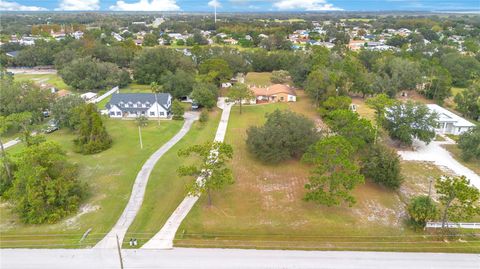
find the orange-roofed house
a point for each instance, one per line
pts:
(274, 93)
(356, 44)
(62, 93)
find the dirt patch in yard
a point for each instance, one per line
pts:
(372, 211)
(85, 209)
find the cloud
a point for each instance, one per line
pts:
(214, 3)
(146, 5)
(72, 5)
(308, 5)
(14, 6)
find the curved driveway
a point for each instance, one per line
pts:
(164, 238)
(138, 190)
(434, 152)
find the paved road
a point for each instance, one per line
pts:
(138, 190)
(15, 141)
(164, 238)
(11, 143)
(434, 152)
(229, 258)
(32, 71)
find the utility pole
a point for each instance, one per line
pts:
(140, 135)
(430, 187)
(119, 253)
(157, 104)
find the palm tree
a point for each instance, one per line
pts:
(155, 87)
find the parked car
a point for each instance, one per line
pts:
(51, 126)
(195, 105)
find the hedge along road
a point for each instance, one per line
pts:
(138, 190)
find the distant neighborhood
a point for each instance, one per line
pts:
(342, 131)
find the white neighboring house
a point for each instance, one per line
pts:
(450, 123)
(117, 37)
(226, 85)
(132, 105)
(88, 96)
(77, 34)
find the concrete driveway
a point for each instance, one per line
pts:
(434, 152)
(138, 191)
(164, 238)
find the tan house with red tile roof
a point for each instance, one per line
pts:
(274, 93)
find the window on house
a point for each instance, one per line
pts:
(134, 105)
(161, 113)
(119, 113)
(152, 113)
(143, 112)
(126, 105)
(112, 113)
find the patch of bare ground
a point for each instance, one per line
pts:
(72, 222)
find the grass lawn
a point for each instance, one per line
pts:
(363, 109)
(110, 176)
(265, 206)
(258, 78)
(165, 189)
(449, 102)
(473, 164)
(456, 90)
(53, 79)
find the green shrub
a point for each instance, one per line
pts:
(285, 135)
(45, 187)
(422, 209)
(382, 166)
(469, 143)
(92, 134)
(203, 116)
(177, 110)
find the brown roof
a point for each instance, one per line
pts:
(62, 93)
(273, 89)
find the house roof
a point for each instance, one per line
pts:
(88, 95)
(62, 93)
(13, 53)
(445, 115)
(273, 89)
(125, 98)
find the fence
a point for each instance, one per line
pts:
(462, 225)
(105, 95)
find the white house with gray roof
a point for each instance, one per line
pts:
(448, 122)
(132, 105)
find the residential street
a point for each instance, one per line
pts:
(32, 71)
(229, 258)
(138, 190)
(11, 143)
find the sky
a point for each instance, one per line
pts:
(238, 5)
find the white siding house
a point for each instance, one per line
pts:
(448, 122)
(132, 105)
